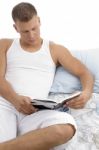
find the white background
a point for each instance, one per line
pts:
(72, 23)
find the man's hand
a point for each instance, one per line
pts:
(23, 105)
(80, 101)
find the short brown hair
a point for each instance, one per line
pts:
(23, 12)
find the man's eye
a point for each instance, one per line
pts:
(26, 31)
(33, 29)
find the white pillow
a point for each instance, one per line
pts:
(65, 82)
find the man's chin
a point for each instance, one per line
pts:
(31, 42)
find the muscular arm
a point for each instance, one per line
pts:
(21, 103)
(6, 90)
(63, 57)
(77, 68)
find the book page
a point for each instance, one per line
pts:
(50, 103)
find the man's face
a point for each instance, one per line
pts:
(29, 31)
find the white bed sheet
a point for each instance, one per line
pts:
(87, 119)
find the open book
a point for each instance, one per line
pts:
(52, 103)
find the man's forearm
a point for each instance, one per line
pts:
(87, 82)
(6, 90)
(42, 139)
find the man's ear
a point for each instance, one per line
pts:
(15, 27)
(39, 20)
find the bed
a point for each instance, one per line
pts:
(87, 119)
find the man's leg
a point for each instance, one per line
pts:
(46, 118)
(41, 139)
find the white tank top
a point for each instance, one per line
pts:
(30, 73)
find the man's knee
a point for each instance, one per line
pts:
(64, 132)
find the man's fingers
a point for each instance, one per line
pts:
(29, 109)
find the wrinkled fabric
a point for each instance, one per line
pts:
(87, 119)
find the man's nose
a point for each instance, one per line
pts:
(31, 34)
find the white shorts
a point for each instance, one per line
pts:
(46, 118)
(43, 119)
(13, 122)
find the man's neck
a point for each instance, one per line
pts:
(33, 46)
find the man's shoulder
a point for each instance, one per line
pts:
(55, 51)
(5, 43)
(58, 52)
(57, 48)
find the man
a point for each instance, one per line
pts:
(27, 68)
